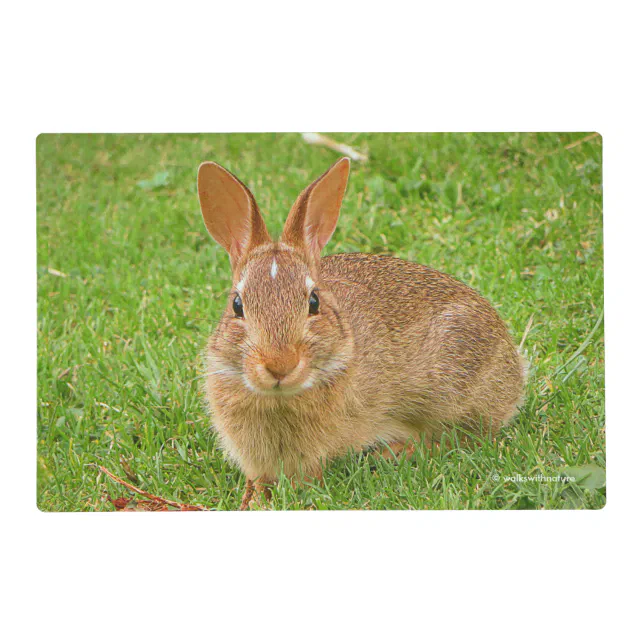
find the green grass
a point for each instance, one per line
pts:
(121, 331)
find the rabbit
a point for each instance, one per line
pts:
(317, 356)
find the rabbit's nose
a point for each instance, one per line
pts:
(281, 366)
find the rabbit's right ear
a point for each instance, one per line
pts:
(229, 211)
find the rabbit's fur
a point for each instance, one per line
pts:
(396, 351)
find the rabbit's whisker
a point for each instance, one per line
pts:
(223, 372)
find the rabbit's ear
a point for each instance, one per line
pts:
(229, 211)
(314, 216)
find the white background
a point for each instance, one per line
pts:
(308, 576)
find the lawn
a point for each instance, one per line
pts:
(130, 285)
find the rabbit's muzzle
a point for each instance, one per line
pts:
(285, 373)
(281, 366)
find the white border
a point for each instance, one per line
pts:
(309, 576)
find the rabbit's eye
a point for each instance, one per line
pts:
(314, 304)
(238, 307)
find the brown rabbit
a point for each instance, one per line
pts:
(315, 356)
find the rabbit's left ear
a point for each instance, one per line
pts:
(314, 215)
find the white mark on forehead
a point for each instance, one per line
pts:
(274, 269)
(309, 283)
